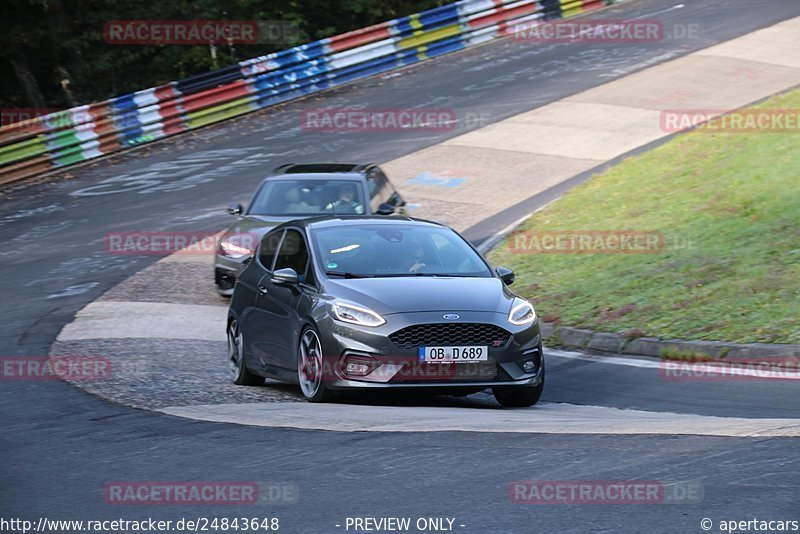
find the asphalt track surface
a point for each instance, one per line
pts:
(60, 445)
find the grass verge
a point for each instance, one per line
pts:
(725, 210)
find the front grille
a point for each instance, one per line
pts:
(447, 334)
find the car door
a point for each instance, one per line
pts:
(381, 191)
(248, 298)
(278, 303)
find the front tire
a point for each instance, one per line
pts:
(519, 396)
(310, 370)
(237, 359)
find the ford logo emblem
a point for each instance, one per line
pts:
(450, 316)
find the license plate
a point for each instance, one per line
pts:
(453, 354)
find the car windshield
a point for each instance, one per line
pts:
(395, 250)
(308, 197)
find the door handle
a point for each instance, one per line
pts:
(263, 290)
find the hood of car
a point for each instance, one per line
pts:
(255, 224)
(422, 294)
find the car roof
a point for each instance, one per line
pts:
(355, 172)
(327, 221)
(322, 168)
(350, 177)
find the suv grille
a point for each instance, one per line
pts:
(421, 335)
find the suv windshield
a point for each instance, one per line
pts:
(388, 250)
(308, 197)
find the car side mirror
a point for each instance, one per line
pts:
(385, 209)
(506, 275)
(285, 277)
(235, 209)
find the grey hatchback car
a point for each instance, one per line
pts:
(356, 303)
(294, 191)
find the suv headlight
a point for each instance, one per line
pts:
(235, 246)
(521, 313)
(350, 313)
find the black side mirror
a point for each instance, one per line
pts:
(285, 277)
(385, 209)
(506, 275)
(235, 209)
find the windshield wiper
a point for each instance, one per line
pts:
(399, 275)
(347, 275)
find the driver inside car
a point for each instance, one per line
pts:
(346, 205)
(415, 258)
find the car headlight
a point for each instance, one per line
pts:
(350, 313)
(521, 313)
(235, 246)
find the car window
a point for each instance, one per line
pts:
(293, 254)
(396, 250)
(447, 250)
(307, 197)
(268, 248)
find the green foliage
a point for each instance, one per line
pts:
(54, 40)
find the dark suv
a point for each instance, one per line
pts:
(296, 191)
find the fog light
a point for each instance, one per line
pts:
(359, 369)
(356, 365)
(529, 366)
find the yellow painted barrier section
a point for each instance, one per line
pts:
(570, 8)
(224, 111)
(426, 37)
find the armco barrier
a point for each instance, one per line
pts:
(94, 130)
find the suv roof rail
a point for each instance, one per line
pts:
(303, 168)
(282, 169)
(365, 167)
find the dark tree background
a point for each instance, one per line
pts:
(52, 52)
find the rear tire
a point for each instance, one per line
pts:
(237, 359)
(519, 396)
(310, 370)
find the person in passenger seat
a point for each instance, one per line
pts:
(295, 204)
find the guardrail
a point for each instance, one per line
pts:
(86, 132)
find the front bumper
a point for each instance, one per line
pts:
(226, 271)
(344, 384)
(395, 367)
